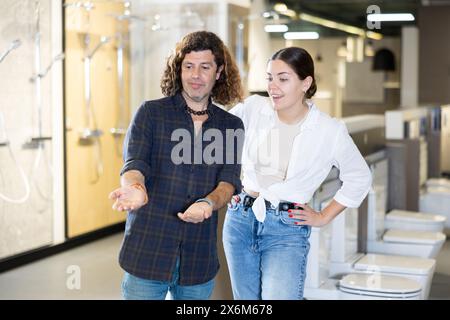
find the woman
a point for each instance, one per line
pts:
(290, 147)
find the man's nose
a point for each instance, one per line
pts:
(195, 72)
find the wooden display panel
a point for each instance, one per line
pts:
(88, 206)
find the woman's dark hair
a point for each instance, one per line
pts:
(301, 62)
(227, 89)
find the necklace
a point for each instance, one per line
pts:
(197, 113)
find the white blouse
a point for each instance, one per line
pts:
(323, 142)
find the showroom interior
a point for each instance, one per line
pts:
(73, 73)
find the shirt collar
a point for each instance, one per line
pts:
(312, 118)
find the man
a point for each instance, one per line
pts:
(171, 227)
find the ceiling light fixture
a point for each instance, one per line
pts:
(283, 9)
(276, 28)
(307, 35)
(374, 35)
(340, 26)
(368, 49)
(342, 50)
(390, 17)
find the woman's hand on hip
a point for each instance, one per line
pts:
(308, 217)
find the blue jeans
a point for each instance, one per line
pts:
(134, 288)
(265, 260)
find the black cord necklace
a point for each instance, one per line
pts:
(197, 113)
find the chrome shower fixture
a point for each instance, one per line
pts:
(118, 132)
(193, 18)
(4, 142)
(13, 45)
(26, 183)
(35, 142)
(57, 58)
(103, 40)
(90, 134)
(127, 17)
(87, 135)
(86, 5)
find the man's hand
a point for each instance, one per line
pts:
(128, 198)
(196, 213)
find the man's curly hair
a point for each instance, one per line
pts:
(227, 89)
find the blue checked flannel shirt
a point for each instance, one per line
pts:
(154, 235)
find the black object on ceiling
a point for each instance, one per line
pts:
(383, 60)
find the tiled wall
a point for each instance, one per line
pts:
(28, 225)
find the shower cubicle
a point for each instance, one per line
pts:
(71, 75)
(97, 109)
(31, 151)
(63, 114)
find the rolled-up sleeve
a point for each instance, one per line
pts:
(138, 143)
(353, 170)
(231, 171)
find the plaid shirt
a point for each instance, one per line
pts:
(154, 235)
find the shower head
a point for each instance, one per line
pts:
(58, 57)
(86, 5)
(13, 45)
(103, 40)
(127, 17)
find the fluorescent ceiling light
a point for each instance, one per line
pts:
(276, 28)
(283, 9)
(390, 17)
(280, 7)
(301, 35)
(374, 35)
(340, 26)
(331, 24)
